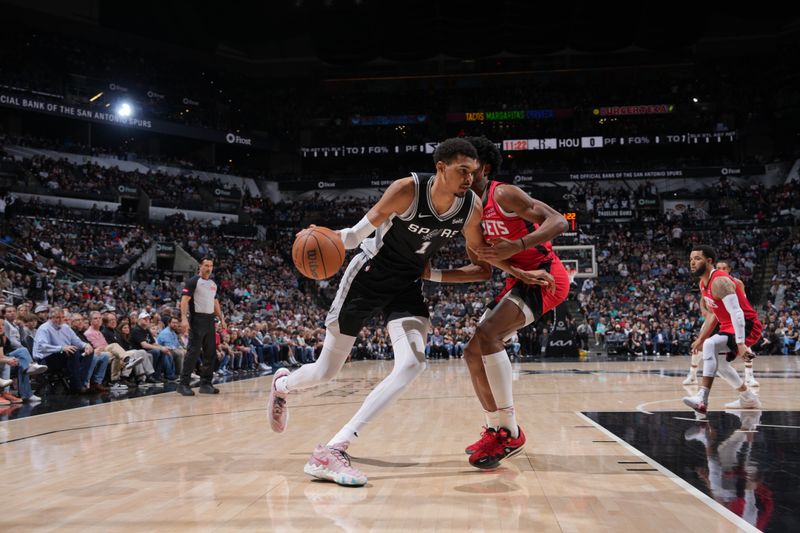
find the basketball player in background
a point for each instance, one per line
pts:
(415, 217)
(519, 229)
(691, 379)
(739, 328)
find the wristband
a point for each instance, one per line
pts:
(352, 237)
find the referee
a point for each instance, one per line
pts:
(199, 304)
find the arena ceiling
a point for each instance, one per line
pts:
(360, 32)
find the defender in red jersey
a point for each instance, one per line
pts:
(711, 326)
(503, 229)
(518, 231)
(733, 312)
(749, 378)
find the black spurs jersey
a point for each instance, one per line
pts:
(404, 243)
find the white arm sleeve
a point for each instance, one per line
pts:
(731, 302)
(352, 237)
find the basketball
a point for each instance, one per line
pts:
(318, 252)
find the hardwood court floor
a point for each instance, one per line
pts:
(210, 463)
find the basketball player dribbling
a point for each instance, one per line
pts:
(739, 328)
(415, 217)
(709, 325)
(519, 229)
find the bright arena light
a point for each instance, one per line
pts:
(124, 109)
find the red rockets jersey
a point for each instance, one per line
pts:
(498, 224)
(716, 306)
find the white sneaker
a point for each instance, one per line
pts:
(277, 410)
(691, 379)
(5, 383)
(263, 367)
(751, 382)
(696, 403)
(133, 361)
(36, 368)
(118, 387)
(745, 403)
(32, 399)
(195, 376)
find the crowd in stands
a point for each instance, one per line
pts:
(187, 161)
(34, 207)
(782, 322)
(89, 180)
(79, 244)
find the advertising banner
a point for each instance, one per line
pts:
(106, 116)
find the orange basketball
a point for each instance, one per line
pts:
(318, 252)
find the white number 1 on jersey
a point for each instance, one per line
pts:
(424, 247)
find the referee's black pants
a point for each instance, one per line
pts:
(201, 340)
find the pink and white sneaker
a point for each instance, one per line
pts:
(696, 403)
(332, 463)
(277, 410)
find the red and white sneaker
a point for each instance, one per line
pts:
(696, 403)
(488, 434)
(332, 463)
(504, 445)
(277, 410)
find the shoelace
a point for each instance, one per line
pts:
(340, 454)
(486, 435)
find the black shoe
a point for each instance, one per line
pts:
(184, 390)
(208, 388)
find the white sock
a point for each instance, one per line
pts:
(346, 434)
(693, 371)
(492, 419)
(281, 385)
(500, 376)
(702, 393)
(508, 420)
(748, 372)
